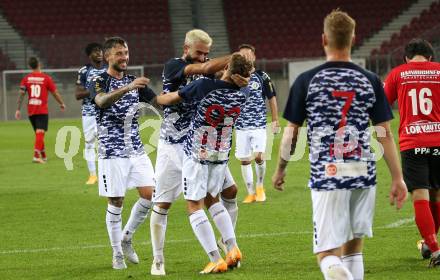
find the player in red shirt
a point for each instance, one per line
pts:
(416, 86)
(36, 85)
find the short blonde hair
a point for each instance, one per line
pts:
(197, 35)
(339, 29)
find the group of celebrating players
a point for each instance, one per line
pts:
(205, 99)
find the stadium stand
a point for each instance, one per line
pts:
(276, 33)
(59, 30)
(5, 62)
(426, 25)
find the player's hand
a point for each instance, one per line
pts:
(278, 179)
(398, 193)
(240, 80)
(276, 129)
(17, 115)
(63, 107)
(140, 82)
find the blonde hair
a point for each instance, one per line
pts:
(339, 29)
(197, 35)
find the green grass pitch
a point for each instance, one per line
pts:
(53, 225)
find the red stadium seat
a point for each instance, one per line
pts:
(59, 30)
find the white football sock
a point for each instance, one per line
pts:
(232, 208)
(205, 234)
(138, 215)
(89, 155)
(260, 172)
(113, 220)
(158, 228)
(333, 264)
(248, 177)
(354, 263)
(223, 223)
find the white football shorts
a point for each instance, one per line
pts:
(248, 142)
(200, 179)
(118, 175)
(89, 129)
(340, 216)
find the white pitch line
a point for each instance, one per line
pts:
(397, 224)
(400, 223)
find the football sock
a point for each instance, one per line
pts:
(354, 263)
(138, 215)
(205, 234)
(223, 222)
(232, 208)
(331, 262)
(435, 210)
(248, 177)
(158, 227)
(260, 172)
(89, 155)
(36, 154)
(113, 220)
(425, 224)
(39, 141)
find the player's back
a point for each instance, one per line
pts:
(416, 86)
(37, 85)
(219, 105)
(338, 99)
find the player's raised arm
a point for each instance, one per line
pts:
(398, 191)
(169, 98)
(105, 100)
(287, 149)
(207, 68)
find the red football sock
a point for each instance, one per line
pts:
(435, 210)
(39, 141)
(425, 223)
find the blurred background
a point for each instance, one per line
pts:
(286, 34)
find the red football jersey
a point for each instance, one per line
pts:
(416, 86)
(36, 85)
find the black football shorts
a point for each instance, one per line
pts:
(421, 168)
(39, 121)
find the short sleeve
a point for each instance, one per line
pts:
(50, 84)
(146, 94)
(96, 86)
(268, 88)
(174, 70)
(82, 77)
(193, 91)
(295, 111)
(23, 84)
(381, 110)
(390, 87)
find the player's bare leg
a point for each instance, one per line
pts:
(205, 234)
(139, 213)
(331, 265)
(114, 228)
(260, 172)
(353, 259)
(158, 227)
(425, 221)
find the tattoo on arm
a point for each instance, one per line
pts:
(20, 99)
